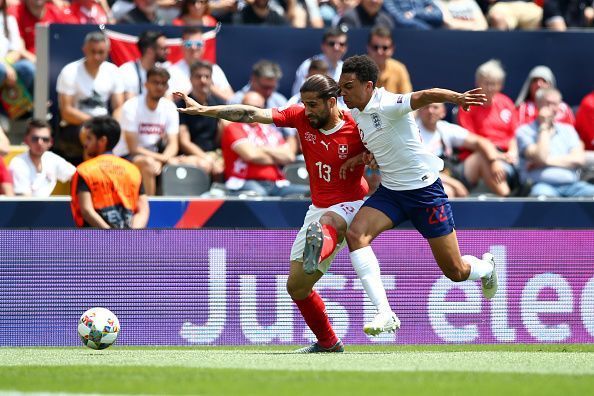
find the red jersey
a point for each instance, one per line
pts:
(27, 21)
(325, 152)
(96, 15)
(585, 121)
(5, 176)
(257, 134)
(527, 112)
(497, 122)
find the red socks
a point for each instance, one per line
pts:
(330, 240)
(313, 311)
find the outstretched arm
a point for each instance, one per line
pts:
(474, 97)
(235, 113)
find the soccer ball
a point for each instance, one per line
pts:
(98, 328)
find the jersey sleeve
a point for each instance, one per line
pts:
(396, 105)
(287, 116)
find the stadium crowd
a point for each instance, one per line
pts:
(531, 146)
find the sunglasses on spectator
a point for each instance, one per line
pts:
(334, 43)
(44, 139)
(193, 44)
(383, 47)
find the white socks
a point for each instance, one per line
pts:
(478, 267)
(368, 270)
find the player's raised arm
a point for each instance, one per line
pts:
(235, 113)
(474, 97)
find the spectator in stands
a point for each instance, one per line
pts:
(14, 66)
(539, 77)
(561, 14)
(368, 13)
(152, 45)
(90, 12)
(316, 66)
(259, 12)
(415, 14)
(514, 14)
(194, 12)
(264, 80)
(106, 189)
(200, 137)
(5, 177)
(29, 13)
(497, 120)
(150, 125)
(253, 155)
(144, 11)
(193, 50)
(334, 47)
(86, 88)
(393, 74)
(551, 153)
(223, 10)
(36, 171)
(462, 15)
(443, 139)
(585, 121)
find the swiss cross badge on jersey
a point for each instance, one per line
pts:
(343, 151)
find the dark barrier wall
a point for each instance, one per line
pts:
(214, 287)
(179, 213)
(434, 58)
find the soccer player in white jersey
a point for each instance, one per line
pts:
(410, 188)
(333, 154)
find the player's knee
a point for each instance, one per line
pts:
(356, 238)
(297, 291)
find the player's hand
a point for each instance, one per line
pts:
(474, 97)
(349, 165)
(369, 160)
(192, 107)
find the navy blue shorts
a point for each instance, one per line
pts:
(427, 208)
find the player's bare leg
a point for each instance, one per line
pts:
(460, 268)
(368, 224)
(321, 240)
(300, 288)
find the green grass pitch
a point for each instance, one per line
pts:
(507, 370)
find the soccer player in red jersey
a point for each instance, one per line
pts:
(332, 148)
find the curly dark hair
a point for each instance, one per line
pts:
(321, 84)
(363, 67)
(105, 126)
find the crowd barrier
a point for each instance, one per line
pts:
(227, 287)
(434, 58)
(494, 213)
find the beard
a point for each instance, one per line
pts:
(318, 122)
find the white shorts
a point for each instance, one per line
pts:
(346, 210)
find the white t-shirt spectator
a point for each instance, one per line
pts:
(91, 95)
(13, 43)
(28, 181)
(180, 77)
(445, 139)
(150, 125)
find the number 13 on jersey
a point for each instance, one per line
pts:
(324, 171)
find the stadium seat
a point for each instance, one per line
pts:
(296, 173)
(183, 180)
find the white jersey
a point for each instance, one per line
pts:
(444, 139)
(388, 130)
(28, 181)
(150, 125)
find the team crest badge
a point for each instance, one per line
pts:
(377, 123)
(343, 151)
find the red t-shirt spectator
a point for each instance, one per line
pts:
(584, 122)
(27, 21)
(5, 176)
(324, 153)
(259, 135)
(96, 15)
(527, 112)
(207, 20)
(497, 122)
